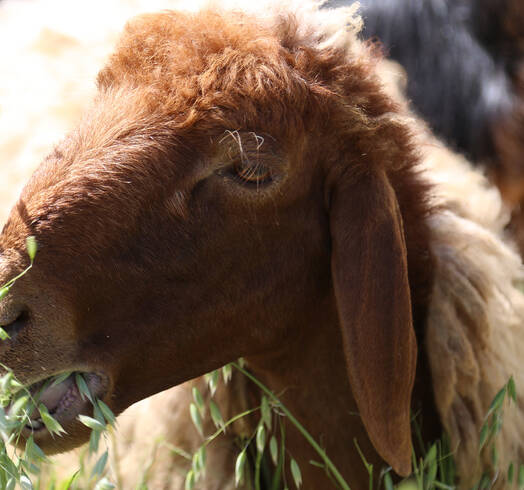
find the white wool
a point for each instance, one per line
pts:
(475, 338)
(464, 189)
(51, 52)
(475, 331)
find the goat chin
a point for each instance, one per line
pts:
(474, 334)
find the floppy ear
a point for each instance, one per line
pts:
(369, 268)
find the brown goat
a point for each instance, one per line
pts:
(240, 187)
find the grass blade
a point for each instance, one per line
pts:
(92, 423)
(295, 473)
(195, 417)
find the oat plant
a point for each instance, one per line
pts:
(433, 465)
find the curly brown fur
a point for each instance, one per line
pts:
(162, 261)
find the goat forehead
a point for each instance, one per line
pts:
(184, 63)
(169, 73)
(160, 49)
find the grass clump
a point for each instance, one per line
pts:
(433, 467)
(20, 462)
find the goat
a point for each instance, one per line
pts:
(231, 192)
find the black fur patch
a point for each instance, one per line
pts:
(458, 85)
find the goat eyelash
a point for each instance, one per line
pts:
(248, 175)
(252, 173)
(246, 165)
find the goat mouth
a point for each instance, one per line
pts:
(63, 400)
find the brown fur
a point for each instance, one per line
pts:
(500, 25)
(156, 264)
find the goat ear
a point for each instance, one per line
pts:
(369, 268)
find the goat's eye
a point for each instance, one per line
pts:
(252, 171)
(250, 157)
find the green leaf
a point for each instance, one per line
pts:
(190, 480)
(98, 469)
(3, 334)
(15, 385)
(33, 451)
(178, 451)
(485, 482)
(195, 466)
(199, 401)
(5, 381)
(31, 246)
(511, 472)
(261, 438)
(431, 463)
(497, 401)
(512, 390)
(494, 455)
(4, 292)
(195, 417)
(199, 462)
(265, 410)
(69, 483)
(497, 424)
(92, 423)
(104, 484)
(60, 378)
(25, 483)
(216, 416)
(202, 456)
(295, 472)
(30, 467)
(227, 372)
(94, 440)
(9, 469)
(98, 415)
(520, 479)
(83, 388)
(212, 381)
(273, 449)
(19, 404)
(51, 424)
(239, 468)
(107, 412)
(388, 482)
(484, 431)
(411, 485)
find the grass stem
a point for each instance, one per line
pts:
(329, 464)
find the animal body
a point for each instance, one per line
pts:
(244, 185)
(464, 64)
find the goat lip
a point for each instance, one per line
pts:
(63, 400)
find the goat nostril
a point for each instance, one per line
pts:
(15, 326)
